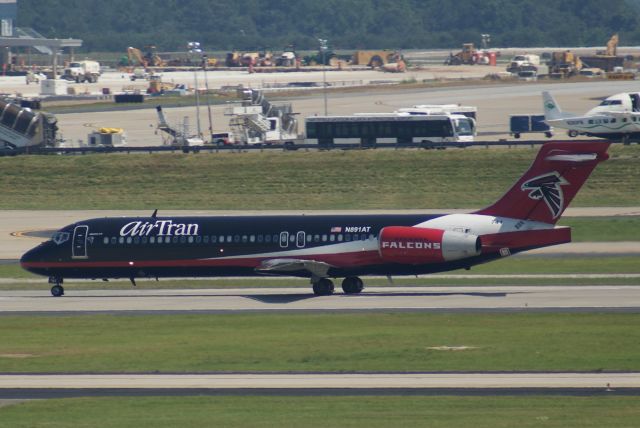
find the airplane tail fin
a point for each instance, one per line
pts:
(552, 110)
(546, 189)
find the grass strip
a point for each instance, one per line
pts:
(349, 411)
(325, 342)
(361, 179)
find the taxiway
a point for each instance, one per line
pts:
(490, 299)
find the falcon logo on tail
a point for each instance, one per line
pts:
(547, 187)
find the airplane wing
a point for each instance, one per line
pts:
(288, 266)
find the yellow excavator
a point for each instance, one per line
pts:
(150, 59)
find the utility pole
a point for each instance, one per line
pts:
(323, 50)
(205, 63)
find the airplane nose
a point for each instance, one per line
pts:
(30, 258)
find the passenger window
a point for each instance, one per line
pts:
(324, 238)
(205, 239)
(340, 237)
(105, 240)
(267, 239)
(144, 239)
(214, 239)
(129, 240)
(190, 239)
(136, 240)
(274, 238)
(198, 239)
(114, 240)
(316, 238)
(229, 238)
(175, 239)
(332, 237)
(183, 239)
(252, 238)
(347, 237)
(121, 240)
(245, 239)
(260, 238)
(152, 239)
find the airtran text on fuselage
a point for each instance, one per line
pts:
(159, 228)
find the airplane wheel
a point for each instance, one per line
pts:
(323, 287)
(352, 285)
(572, 133)
(57, 291)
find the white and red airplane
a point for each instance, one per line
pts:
(322, 247)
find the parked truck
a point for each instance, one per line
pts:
(82, 71)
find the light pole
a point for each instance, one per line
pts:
(205, 63)
(323, 50)
(195, 47)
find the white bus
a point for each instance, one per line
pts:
(400, 128)
(430, 109)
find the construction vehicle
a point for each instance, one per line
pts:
(469, 55)
(21, 128)
(607, 59)
(149, 59)
(157, 86)
(375, 59)
(258, 121)
(82, 71)
(249, 59)
(564, 64)
(288, 58)
(398, 66)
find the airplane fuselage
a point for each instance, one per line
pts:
(133, 247)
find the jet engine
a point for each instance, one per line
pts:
(415, 245)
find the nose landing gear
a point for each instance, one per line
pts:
(57, 290)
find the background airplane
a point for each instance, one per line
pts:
(321, 247)
(615, 118)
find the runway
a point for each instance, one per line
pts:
(451, 299)
(41, 386)
(333, 380)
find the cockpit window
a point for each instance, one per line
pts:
(60, 237)
(611, 103)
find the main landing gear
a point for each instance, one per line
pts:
(57, 290)
(324, 286)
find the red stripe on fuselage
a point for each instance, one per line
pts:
(355, 259)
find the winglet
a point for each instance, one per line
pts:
(155, 213)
